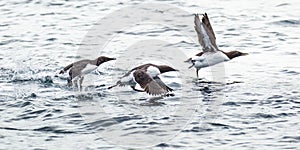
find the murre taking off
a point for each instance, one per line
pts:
(147, 77)
(211, 54)
(80, 68)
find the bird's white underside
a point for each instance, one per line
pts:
(129, 80)
(153, 71)
(209, 59)
(88, 69)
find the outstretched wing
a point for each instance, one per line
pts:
(206, 21)
(148, 83)
(162, 84)
(206, 35)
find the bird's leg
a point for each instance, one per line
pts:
(70, 82)
(197, 73)
(80, 82)
(74, 82)
(133, 87)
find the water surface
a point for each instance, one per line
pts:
(256, 108)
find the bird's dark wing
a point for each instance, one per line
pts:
(148, 83)
(206, 21)
(206, 35)
(162, 84)
(70, 66)
(76, 69)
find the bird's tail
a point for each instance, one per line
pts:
(188, 60)
(65, 69)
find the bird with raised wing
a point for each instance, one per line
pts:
(211, 54)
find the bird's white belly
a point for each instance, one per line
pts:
(88, 68)
(153, 71)
(128, 80)
(210, 59)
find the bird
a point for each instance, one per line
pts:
(80, 68)
(211, 54)
(146, 76)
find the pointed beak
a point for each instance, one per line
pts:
(112, 59)
(244, 54)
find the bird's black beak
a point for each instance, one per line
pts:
(109, 59)
(244, 54)
(105, 59)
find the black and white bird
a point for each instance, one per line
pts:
(80, 68)
(147, 77)
(211, 54)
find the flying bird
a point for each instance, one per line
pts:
(211, 54)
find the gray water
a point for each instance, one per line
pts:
(256, 107)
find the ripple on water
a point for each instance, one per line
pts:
(53, 129)
(264, 116)
(293, 138)
(283, 4)
(290, 72)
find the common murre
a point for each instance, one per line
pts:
(211, 54)
(146, 76)
(80, 68)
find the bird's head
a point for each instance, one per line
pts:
(103, 59)
(233, 54)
